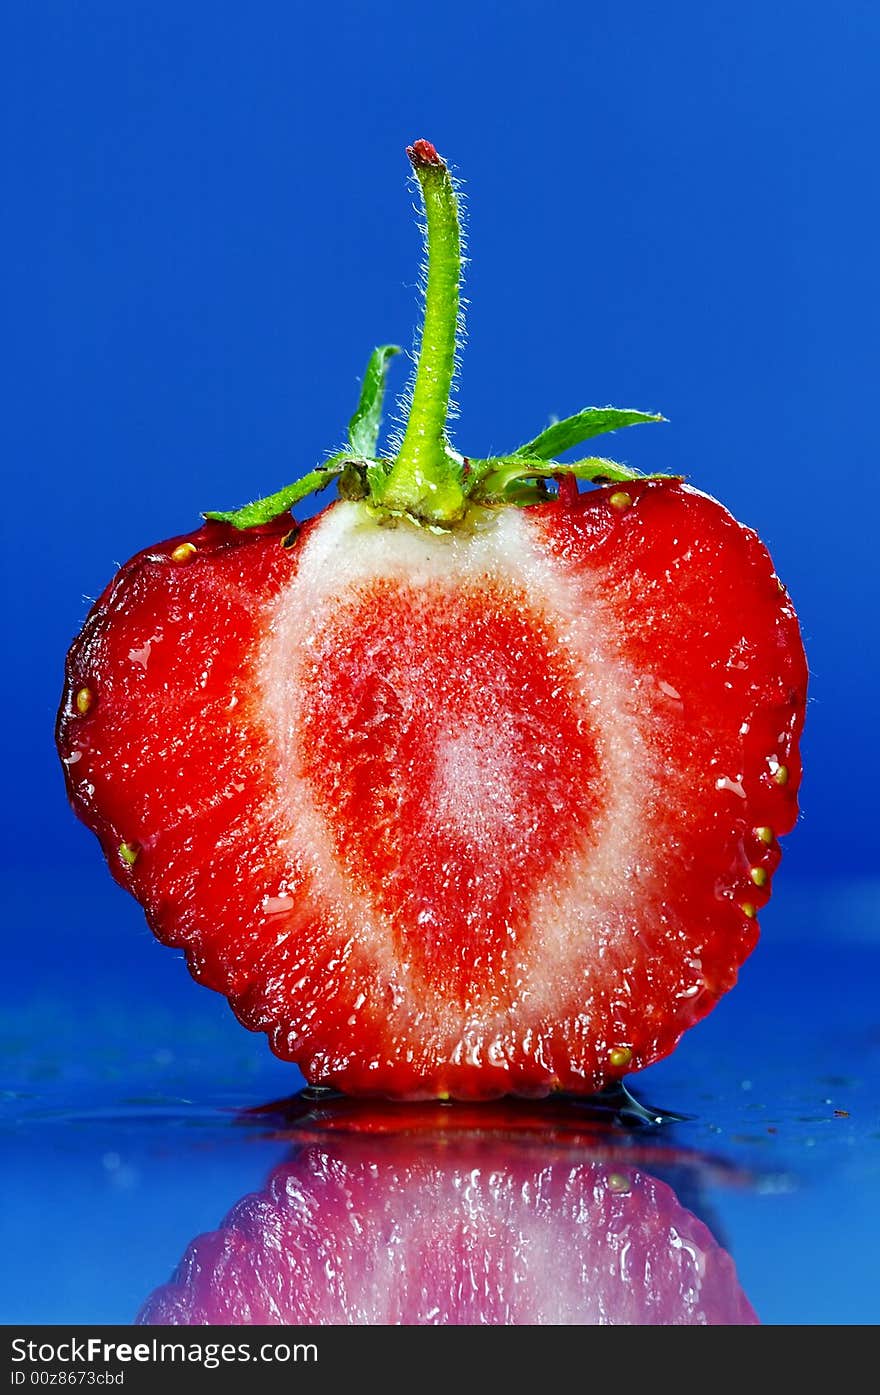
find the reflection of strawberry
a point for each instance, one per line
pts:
(468, 787)
(439, 1226)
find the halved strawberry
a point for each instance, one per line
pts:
(440, 1223)
(465, 788)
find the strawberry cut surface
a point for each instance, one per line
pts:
(453, 764)
(483, 812)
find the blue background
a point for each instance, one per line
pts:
(208, 226)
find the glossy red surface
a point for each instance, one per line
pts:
(580, 889)
(453, 764)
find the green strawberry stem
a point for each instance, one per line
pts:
(427, 482)
(426, 478)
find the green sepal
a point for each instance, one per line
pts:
(354, 465)
(363, 429)
(264, 510)
(375, 476)
(571, 431)
(500, 480)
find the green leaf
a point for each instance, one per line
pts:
(264, 510)
(363, 429)
(592, 421)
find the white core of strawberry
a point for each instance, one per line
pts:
(584, 912)
(474, 790)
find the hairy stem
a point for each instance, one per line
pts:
(425, 479)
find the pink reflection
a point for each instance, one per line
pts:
(424, 1215)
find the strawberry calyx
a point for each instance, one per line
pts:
(428, 482)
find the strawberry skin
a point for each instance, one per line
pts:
(471, 814)
(455, 1226)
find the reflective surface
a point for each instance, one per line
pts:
(143, 1129)
(442, 1214)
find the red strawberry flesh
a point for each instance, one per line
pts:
(483, 813)
(461, 752)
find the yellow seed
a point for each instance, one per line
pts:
(85, 701)
(620, 499)
(620, 1055)
(748, 910)
(617, 1182)
(184, 552)
(781, 775)
(759, 876)
(443, 1095)
(764, 834)
(129, 853)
